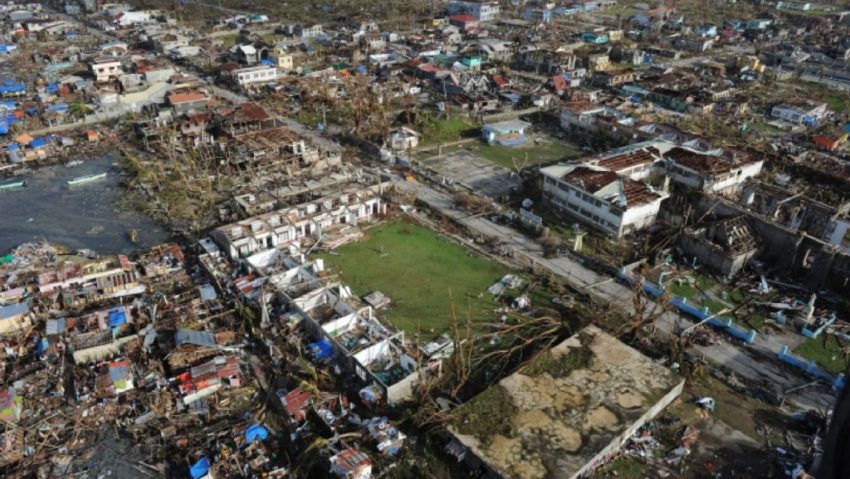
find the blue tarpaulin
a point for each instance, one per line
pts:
(200, 468)
(32, 111)
(4, 128)
(41, 346)
(117, 317)
(52, 87)
(59, 107)
(13, 146)
(256, 431)
(322, 349)
(38, 142)
(361, 69)
(12, 87)
(267, 62)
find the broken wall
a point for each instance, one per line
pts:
(713, 256)
(779, 245)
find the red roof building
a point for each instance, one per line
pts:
(464, 22)
(296, 402)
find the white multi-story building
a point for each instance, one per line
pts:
(711, 173)
(282, 228)
(605, 192)
(246, 77)
(482, 11)
(106, 68)
(801, 111)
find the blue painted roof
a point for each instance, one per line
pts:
(13, 310)
(117, 317)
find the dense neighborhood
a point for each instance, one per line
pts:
(494, 239)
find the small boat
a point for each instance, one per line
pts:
(87, 179)
(134, 235)
(12, 185)
(74, 163)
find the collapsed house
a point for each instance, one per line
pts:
(797, 235)
(108, 277)
(358, 341)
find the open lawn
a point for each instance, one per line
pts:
(449, 130)
(624, 11)
(418, 269)
(524, 156)
(825, 351)
(529, 154)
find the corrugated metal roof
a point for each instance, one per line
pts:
(55, 326)
(13, 310)
(200, 338)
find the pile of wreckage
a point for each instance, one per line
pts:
(192, 362)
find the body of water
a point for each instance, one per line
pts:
(81, 216)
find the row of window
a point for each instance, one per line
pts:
(256, 76)
(587, 198)
(590, 216)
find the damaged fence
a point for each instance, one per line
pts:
(701, 313)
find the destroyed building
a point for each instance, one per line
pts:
(567, 411)
(310, 221)
(725, 247)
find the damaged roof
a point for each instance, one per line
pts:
(610, 186)
(198, 338)
(703, 164)
(630, 159)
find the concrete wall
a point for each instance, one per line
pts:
(796, 255)
(618, 442)
(713, 256)
(779, 245)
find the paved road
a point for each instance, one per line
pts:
(746, 361)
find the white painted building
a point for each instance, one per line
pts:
(710, 173)
(127, 18)
(403, 139)
(482, 11)
(106, 68)
(282, 228)
(245, 77)
(597, 196)
(585, 117)
(801, 112)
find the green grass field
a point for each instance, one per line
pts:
(526, 155)
(828, 355)
(449, 130)
(417, 270)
